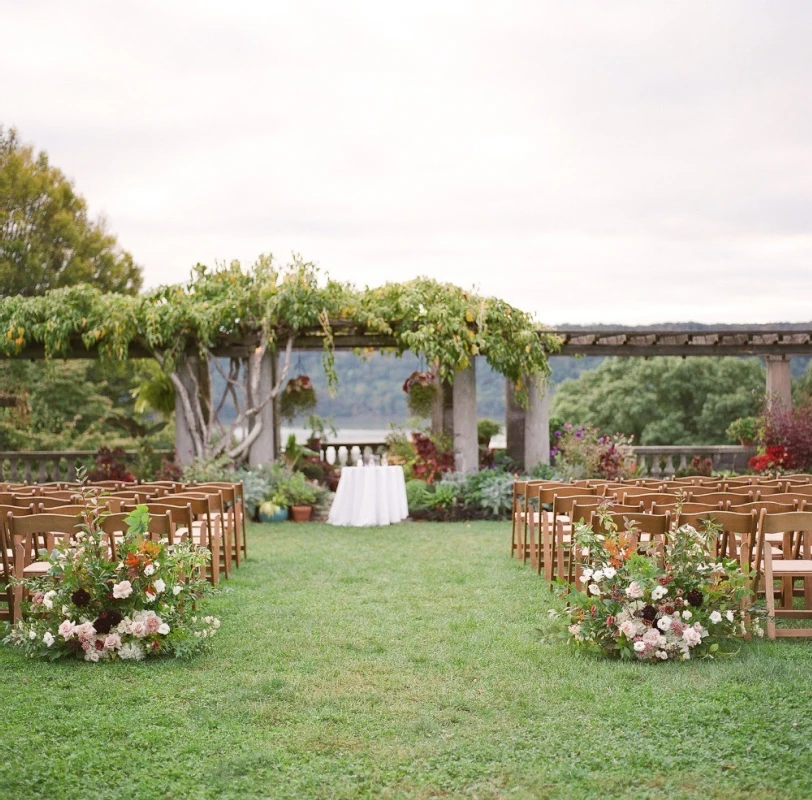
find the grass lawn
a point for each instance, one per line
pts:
(402, 662)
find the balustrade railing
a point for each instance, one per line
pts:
(42, 466)
(346, 454)
(659, 462)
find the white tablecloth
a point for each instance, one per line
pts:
(369, 496)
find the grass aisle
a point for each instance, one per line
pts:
(402, 662)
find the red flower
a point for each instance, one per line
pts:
(610, 620)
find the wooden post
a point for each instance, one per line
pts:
(514, 424)
(537, 425)
(466, 444)
(779, 382)
(262, 450)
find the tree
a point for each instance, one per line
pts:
(47, 240)
(665, 401)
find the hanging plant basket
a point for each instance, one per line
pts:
(299, 397)
(421, 391)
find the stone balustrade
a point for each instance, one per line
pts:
(660, 461)
(42, 466)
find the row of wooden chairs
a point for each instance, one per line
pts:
(767, 536)
(209, 514)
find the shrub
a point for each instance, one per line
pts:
(787, 440)
(496, 494)
(418, 496)
(744, 429)
(433, 457)
(110, 466)
(486, 429)
(583, 452)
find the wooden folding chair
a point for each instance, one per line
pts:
(738, 531)
(517, 517)
(652, 529)
(792, 527)
(24, 534)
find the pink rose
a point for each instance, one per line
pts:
(38, 598)
(112, 641)
(691, 637)
(138, 629)
(153, 623)
(634, 590)
(66, 629)
(628, 629)
(651, 636)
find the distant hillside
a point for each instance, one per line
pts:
(370, 389)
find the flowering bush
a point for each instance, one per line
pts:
(144, 603)
(583, 452)
(110, 466)
(421, 391)
(786, 439)
(680, 603)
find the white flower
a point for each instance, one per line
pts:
(609, 572)
(594, 589)
(92, 654)
(177, 589)
(686, 656)
(664, 623)
(658, 592)
(686, 614)
(215, 623)
(149, 570)
(634, 590)
(662, 655)
(48, 599)
(160, 586)
(587, 573)
(138, 629)
(574, 629)
(639, 646)
(584, 579)
(149, 596)
(730, 615)
(715, 617)
(120, 566)
(597, 575)
(32, 634)
(132, 650)
(122, 590)
(651, 636)
(163, 629)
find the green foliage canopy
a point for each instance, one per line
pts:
(664, 401)
(46, 238)
(232, 305)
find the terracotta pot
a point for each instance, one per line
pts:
(301, 513)
(747, 442)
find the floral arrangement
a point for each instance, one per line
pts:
(421, 391)
(144, 603)
(676, 603)
(298, 397)
(110, 466)
(582, 451)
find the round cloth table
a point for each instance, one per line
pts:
(369, 496)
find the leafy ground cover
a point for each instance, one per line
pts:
(402, 662)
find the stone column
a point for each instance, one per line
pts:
(262, 450)
(537, 425)
(466, 445)
(184, 442)
(514, 424)
(779, 382)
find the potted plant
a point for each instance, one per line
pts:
(486, 429)
(294, 492)
(420, 391)
(271, 512)
(298, 397)
(319, 426)
(745, 429)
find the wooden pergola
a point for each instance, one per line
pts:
(527, 429)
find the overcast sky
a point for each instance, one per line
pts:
(600, 161)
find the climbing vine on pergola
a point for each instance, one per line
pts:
(244, 313)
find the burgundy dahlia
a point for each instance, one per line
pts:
(80, 598)
(695, 598)
(649, 613)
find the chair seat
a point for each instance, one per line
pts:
(791, 567)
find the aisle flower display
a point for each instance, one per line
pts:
(678, 604)
(146, 602)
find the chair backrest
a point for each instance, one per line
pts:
(788, 498)
(26, 533)
(582, 508)
(766, 505)
(548, 495)
(563, 504)
(43, 501)
(180, 516)
(650, 524)
(737, 529)
(720, 497)
(796, 521)
(649, 499)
